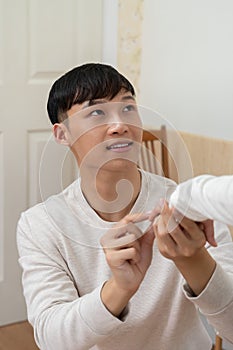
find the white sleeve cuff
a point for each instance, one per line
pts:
(96, 316)
(181, 199)
(216, 296)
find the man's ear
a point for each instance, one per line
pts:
(61, 134)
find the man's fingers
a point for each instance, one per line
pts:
(139, 217)
(154, 213)
(209, 232)
(117, 258)
(118, 237)
(148, 237)
(168, 218)
(207, 226)
(197, 229)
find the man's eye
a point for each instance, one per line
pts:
(97, 112)
(129, 108)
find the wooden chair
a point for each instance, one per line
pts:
(154, 152)
(154, 158)
(218, 343)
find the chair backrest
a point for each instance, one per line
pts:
(154, 152)
(154, 158)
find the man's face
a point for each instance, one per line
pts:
(105, 133)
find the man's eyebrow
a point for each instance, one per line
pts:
(96, 102)
(93, 102)
(128, 97)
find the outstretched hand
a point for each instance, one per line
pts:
(206, 226)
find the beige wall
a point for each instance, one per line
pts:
(207, 156)
(130, 21)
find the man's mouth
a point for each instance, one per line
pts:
(120, 146)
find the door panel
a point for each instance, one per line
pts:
(1, 208)
(39, 41)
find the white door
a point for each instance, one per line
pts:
(39, 40)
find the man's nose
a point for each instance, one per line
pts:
(117, 127)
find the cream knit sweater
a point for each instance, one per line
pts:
(64, 269)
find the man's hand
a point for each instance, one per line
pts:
(206, 226)
(177, 239)
(184, 243)
(128, 253)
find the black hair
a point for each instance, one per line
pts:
(84, 83)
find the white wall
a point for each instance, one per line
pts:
(187, 64)
(110, 31)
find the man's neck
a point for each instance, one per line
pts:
(111, 194)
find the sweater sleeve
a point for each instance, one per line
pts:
(216, 300)
(205, 197)
(60, 318)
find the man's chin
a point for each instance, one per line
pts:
(119, 164)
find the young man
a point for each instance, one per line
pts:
(93, 275)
